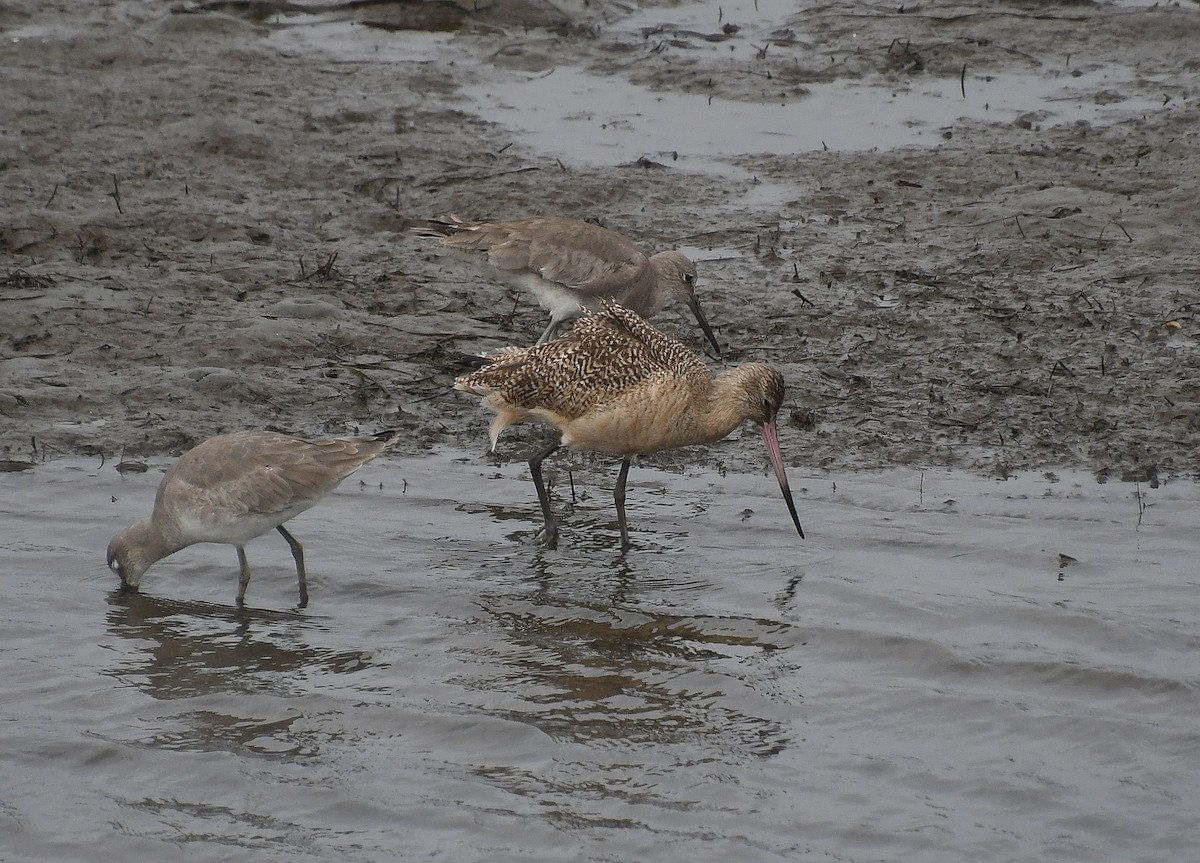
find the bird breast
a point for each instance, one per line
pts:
(661, 415)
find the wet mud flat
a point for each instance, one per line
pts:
(206, 204)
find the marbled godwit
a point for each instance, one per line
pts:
(615, 385)
(569, 264)
(234, 487)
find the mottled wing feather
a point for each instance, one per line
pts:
(606, 355)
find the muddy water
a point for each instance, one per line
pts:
(600, 120)
(924, 678)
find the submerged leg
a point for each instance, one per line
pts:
(298, 555)
(243, 577)
(619, 500)
(550, 531)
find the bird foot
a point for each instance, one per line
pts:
(547, 537)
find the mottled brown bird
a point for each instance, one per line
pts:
(234, 487)
(568, 264)
(616, 385)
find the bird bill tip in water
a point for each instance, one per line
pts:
(694, 305)
(770, 435)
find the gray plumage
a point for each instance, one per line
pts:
(568, 264)
(234, 487)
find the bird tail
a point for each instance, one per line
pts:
(447, 227)
(389, 437)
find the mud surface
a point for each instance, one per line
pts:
(204, 214)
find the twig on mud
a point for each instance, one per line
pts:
(717, 232)
(796, 293)
(364, 377)
(915, 61)
(321, 273)
(468, 178)
(443, 338)
(115, 194)
(1059, 213)
(972, 425)
(863, 341)
(507, 320)
(326, 268)
(962, 80)
(1186, 307)
(25, 280)
(1100, 239)
(1057, 365)
(53, 195)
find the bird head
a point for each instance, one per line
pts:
(127, 558)
(677, 276)
(762, 392)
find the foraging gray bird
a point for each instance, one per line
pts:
(568, 264)
(234, 487)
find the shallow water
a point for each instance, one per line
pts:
(924, 678)
(592, 119)
(604, 120)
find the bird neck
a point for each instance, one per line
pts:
(152, 544)
(658, 297)
(726, 406)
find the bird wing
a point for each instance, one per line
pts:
(593, 260)
(264, 473)
(606, 355)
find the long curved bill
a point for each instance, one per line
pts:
(694, 305)
(770, 435)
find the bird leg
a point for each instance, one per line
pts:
(555, 327)
(550, 333)
(619, 500)
(550, 530)
(243, 577)
(298, 555)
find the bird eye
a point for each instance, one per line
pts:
(688, 278)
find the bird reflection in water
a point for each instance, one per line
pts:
(202, 652)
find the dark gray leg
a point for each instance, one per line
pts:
(550, 531)
(619, 499)
(554, 330)
(298, 555)
(243, 576)
(549, 334)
